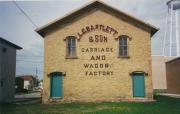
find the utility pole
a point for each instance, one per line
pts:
(36, 76)
(36, 71)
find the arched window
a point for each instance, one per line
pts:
(71, 46)
(123, 46)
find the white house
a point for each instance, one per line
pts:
(29, 82)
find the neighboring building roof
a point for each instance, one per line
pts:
(27, 77)
(10, 43)
(87, 8)
(174, 60)
(161, 58)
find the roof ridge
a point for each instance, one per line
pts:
(10, 43)
(95, 2)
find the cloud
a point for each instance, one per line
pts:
(151, 11)
(16, 28)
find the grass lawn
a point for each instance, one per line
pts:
(163, 105)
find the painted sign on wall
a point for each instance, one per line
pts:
(98, 65)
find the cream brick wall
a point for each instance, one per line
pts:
(77, 86)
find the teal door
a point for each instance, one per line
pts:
(138, 85)
(56, 85)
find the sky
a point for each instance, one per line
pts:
(17, 28)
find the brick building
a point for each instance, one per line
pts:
(159, 72)
(173, 76)
(97, 53)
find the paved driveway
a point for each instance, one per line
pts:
(30, 96)
(170, 95)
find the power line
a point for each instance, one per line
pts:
(21, 69)
(29, 56)
(25, 14)
(22, 55)
(27, 71)
(29, 61)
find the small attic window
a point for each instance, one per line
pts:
(4, 49)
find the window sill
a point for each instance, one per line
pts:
(126, 57)
(75, 57)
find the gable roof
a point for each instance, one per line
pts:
(95, 4)
(10, 43)
(174, 60)
(27, 77)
